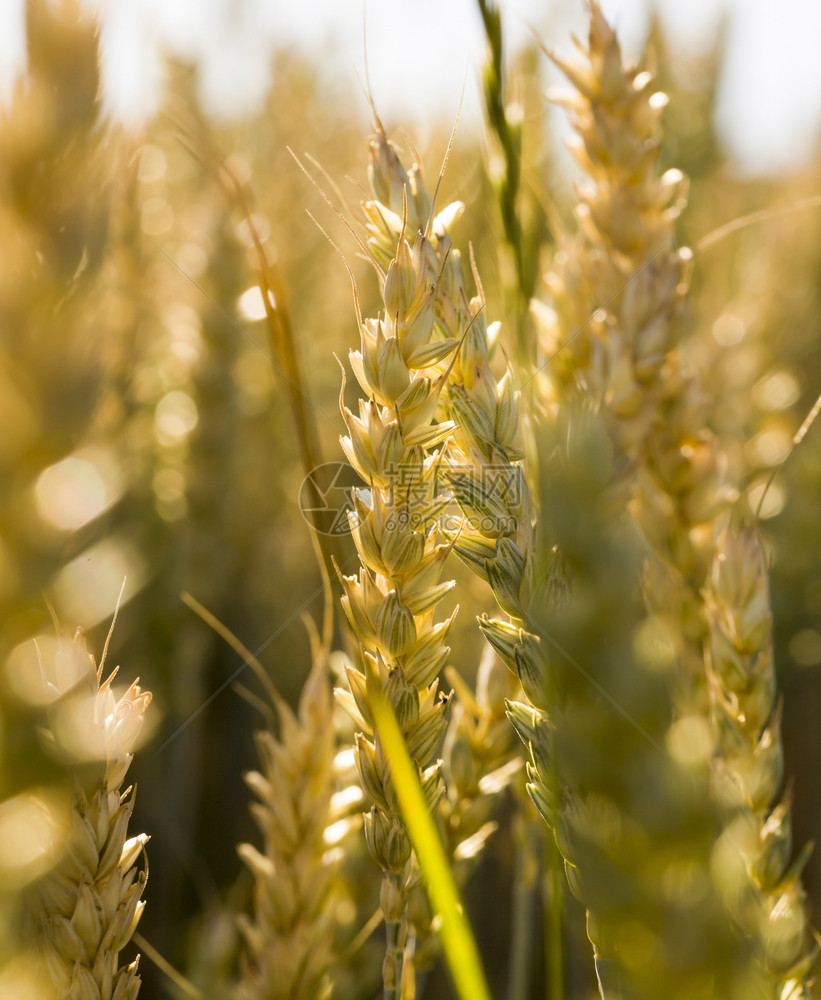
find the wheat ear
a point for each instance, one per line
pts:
(624, 269)
(391, 605)
(498, 539)
(88, 906)
(753, 854)
(616, 289)
(477, 749)
(600, 399)
(290, 944)
(617, 293)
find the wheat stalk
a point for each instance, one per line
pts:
(505, 119)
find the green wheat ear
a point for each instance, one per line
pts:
(613, 327)
(753, 862)
(621, 285)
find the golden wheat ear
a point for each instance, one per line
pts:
(291, 943)
(290, 939)
(406, 355)
(86, 909)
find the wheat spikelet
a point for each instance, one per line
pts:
(87, 908)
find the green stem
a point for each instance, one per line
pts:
(554, 920)
(396, 933)
(518, 982)
(508, 186)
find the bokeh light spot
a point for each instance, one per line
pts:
(251, 305)
(655, 644)
(153, 164)
(768, 496)
(79, 488)
(770, 447)
(175, 416)
(776, 391)
(690, 740)
(33, 827)
(45, 667)
(805, 647)
(86, 589)
(729, 330)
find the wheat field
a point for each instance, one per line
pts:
(409, 575)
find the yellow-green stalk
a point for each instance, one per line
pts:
(86, 909)
(522, 219)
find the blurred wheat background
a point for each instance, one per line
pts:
(146, 413)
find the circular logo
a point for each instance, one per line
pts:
(325, 497)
